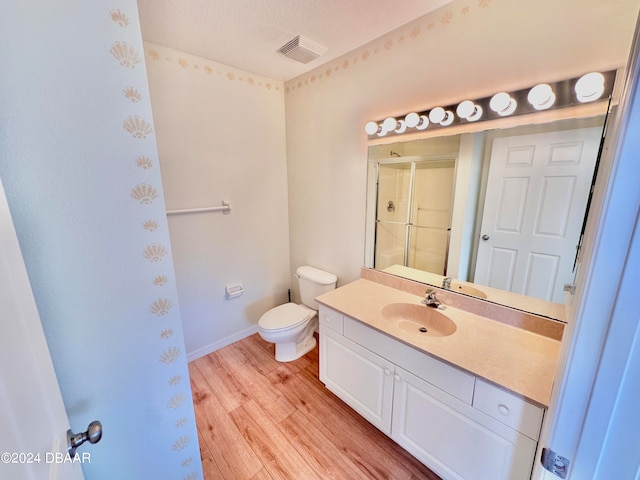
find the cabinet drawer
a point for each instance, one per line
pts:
(509, 409)
(330, 318)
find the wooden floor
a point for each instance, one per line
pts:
(260, 419)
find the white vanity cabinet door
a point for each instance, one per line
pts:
(452, 438)
(359, 377)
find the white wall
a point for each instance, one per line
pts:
(438, 59)
(68, 161)
(221, 135)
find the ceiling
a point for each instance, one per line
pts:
(246, 34)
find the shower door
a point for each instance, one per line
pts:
(413, 213)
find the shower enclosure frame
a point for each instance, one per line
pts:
(373, 192)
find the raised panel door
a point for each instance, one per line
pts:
(453, 439)
(361, 378)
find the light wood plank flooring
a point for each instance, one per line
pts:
(260, 419)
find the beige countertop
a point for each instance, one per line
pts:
(511, 357)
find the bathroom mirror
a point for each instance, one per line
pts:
(496, 214)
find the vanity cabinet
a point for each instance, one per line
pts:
(460, 426)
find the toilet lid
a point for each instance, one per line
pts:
(285, 316)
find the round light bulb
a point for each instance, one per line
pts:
(448, 119)
(412, 119)
(590, 87)
(541, 96)
(476, 115)
(389, 124)
(503, 104)
(437, 115)
(500, 101)
(371, 128)
(466, 109)
(423, 123)
(402, 127)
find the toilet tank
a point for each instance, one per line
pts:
(314, 282)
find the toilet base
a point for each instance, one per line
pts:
(292, 345)
(290, 351)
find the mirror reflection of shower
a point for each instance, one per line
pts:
(415, 201)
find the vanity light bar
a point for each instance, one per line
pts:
(544, 96)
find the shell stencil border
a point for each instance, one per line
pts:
(145, 194)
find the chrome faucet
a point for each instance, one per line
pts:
(430, 299)
(446, 283)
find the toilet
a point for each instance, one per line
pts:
(291, 326)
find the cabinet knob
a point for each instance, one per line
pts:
(503, 409)
(387, 371)
(396, 378)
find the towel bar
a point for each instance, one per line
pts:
(224, 208)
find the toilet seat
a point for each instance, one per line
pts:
(285, 316)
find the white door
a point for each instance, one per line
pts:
(33, 421)
(537, 192)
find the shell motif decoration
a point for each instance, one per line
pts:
(181, 443)
(144, 162)
(137, 126)
(154, 252)
(179, 424)
(186, 462)
(125, 54)
(119, 17)
(166, 333)
(144, 193)
(191, 476)
(177, 401)
(170, 355)
(161, 306)
(132, 94)
(150, 225)
(160, 280)
(176, 379)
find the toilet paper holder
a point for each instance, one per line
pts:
(233, 290)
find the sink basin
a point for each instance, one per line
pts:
(468, 290)
(419, 319)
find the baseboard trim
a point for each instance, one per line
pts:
(212, 347)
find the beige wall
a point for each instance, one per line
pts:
(447, 56)
(221, 136)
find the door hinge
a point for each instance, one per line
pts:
(556, 464)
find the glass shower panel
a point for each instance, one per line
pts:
(413, 215)
(392, 214)
(431, 215)
(428, 248)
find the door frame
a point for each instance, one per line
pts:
(582, 382)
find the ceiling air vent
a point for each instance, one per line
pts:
(302, 49)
